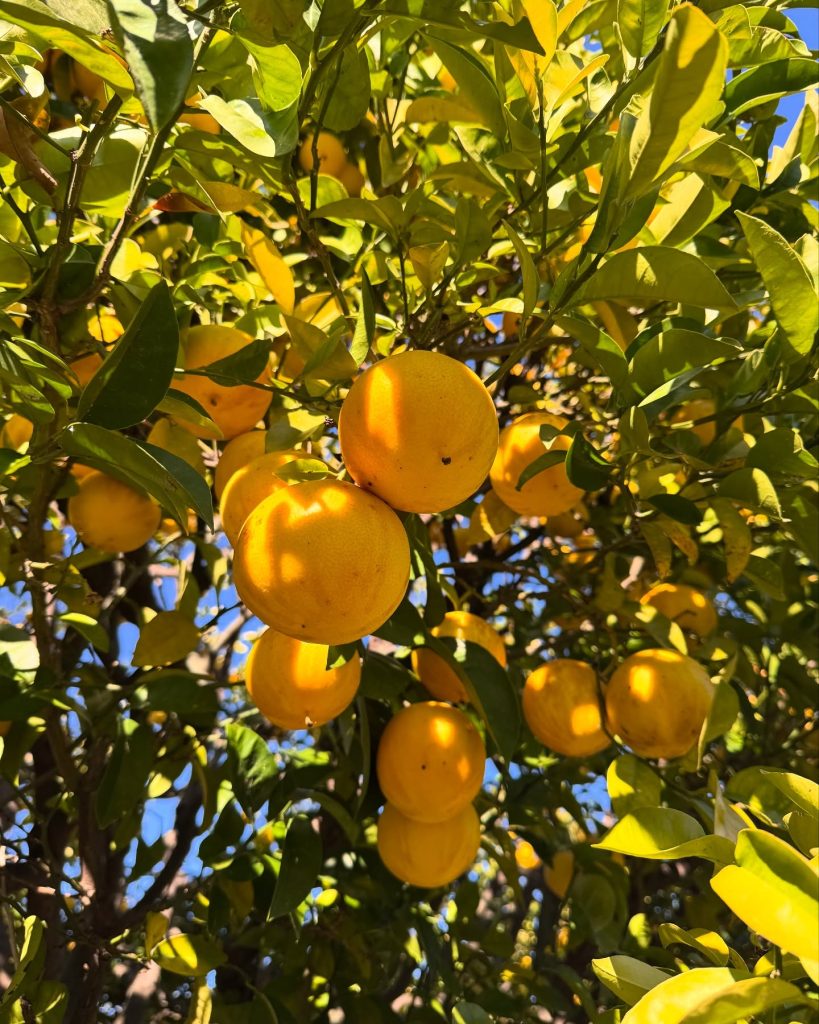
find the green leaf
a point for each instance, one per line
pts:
(711, 995)
(178, 405)
(324, 357)
(640, 22)
(631, 784)
(585, 467)
(302, 857)
(125, 782)
(30, 959)
(768, 82)
(781, 450)
(773, 889)
(475, 85)
(627, 978)
(736, 537)
(542, 462)
(802, 792)
(528, 270)
(174, 484)
(159, 51)
(489, 688)
(240, 120)
(345, 89)
(677, 507)
(469, 1013)
(147, 353)
(88, 628)
(662, 833)
(753, 489)
(242, 367)
(191, 955)
(712, 946)
(277, 73)
(364, 334)
(686, 95)
(168, 637)
(673, 352)
(656, 273)
(789, 284)
(252, 766)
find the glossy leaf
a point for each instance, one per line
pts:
(661, 833)
(302, 858)
(628, 978)
(191, 955)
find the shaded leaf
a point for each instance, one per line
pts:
(302, 857)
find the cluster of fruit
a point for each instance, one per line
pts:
(325, 562)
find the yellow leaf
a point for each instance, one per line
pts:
(191, 955)
(156, 925)
(564, 77)
(168, 637)
(430, 108)
(428, 262)
(543, 16)
(201, 1006)
(567, 14)
(229, 198)
(268, 262)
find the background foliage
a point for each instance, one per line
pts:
(582, 202)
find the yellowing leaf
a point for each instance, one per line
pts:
(271, 267)
(629, 979)
(736, 538)
(156, 925)
(432, 108)
(543, 16)
(428, 262)
(168, 637)
(191, 955)
(662, 833)
(686, 95)
(14, 271)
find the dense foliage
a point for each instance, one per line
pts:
(583, 203)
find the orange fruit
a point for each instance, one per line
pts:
(430, 761)
(249, 486)
(657, 701)
(16, 431)
(202, 121)
(331, 156)
(562, 708)
(237, 453)
(511, 324)
(109, 515)
(433, 671)
(419, 430)
(685, 605)
(85, 367)
(234, 410)
(322, 561)
(289, 682)
(428, 854)
(352, 179)
(568, 524)
(526, 856)
(548, 493)
(558, 875)
(175, 439)
(697, 409)
(104, 326)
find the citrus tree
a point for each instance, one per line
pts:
(409, 514)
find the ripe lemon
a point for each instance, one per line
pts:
(562, 708)
(234, 410)
(289, 682)
(550, 492)
(697, 409)
(249, 486)
(657, 701)
(684, 605)
(434, 672)
(558, 875)
(419, 430)
(16, 432)
(430, 761)
(331, 156)
(237, 453)
(352, 179)
(109, 515)
(322, 561)
(428, 854)
(178, 441)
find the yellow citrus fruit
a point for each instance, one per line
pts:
(201, 121)
(548, 493)
(105, 327)
(526, 856)
(234, 410)
(352, 179)
(447, 80)
(510, 324)
(109, 515)
(568, 524)
(562, 708)
(419, 430)
(558, 875)
(289, 682)
(85, 367)
(322, 561)
(430, 761)
(16, 432)
(331, 156)
(237, 453)
(657, 701)
(175, 439)
(697, 409)
(433, 671)
(428, 854)
(85, 82)
(249, 486)
(685, 605)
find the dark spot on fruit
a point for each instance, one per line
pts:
(446, 459)
(423, 767)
